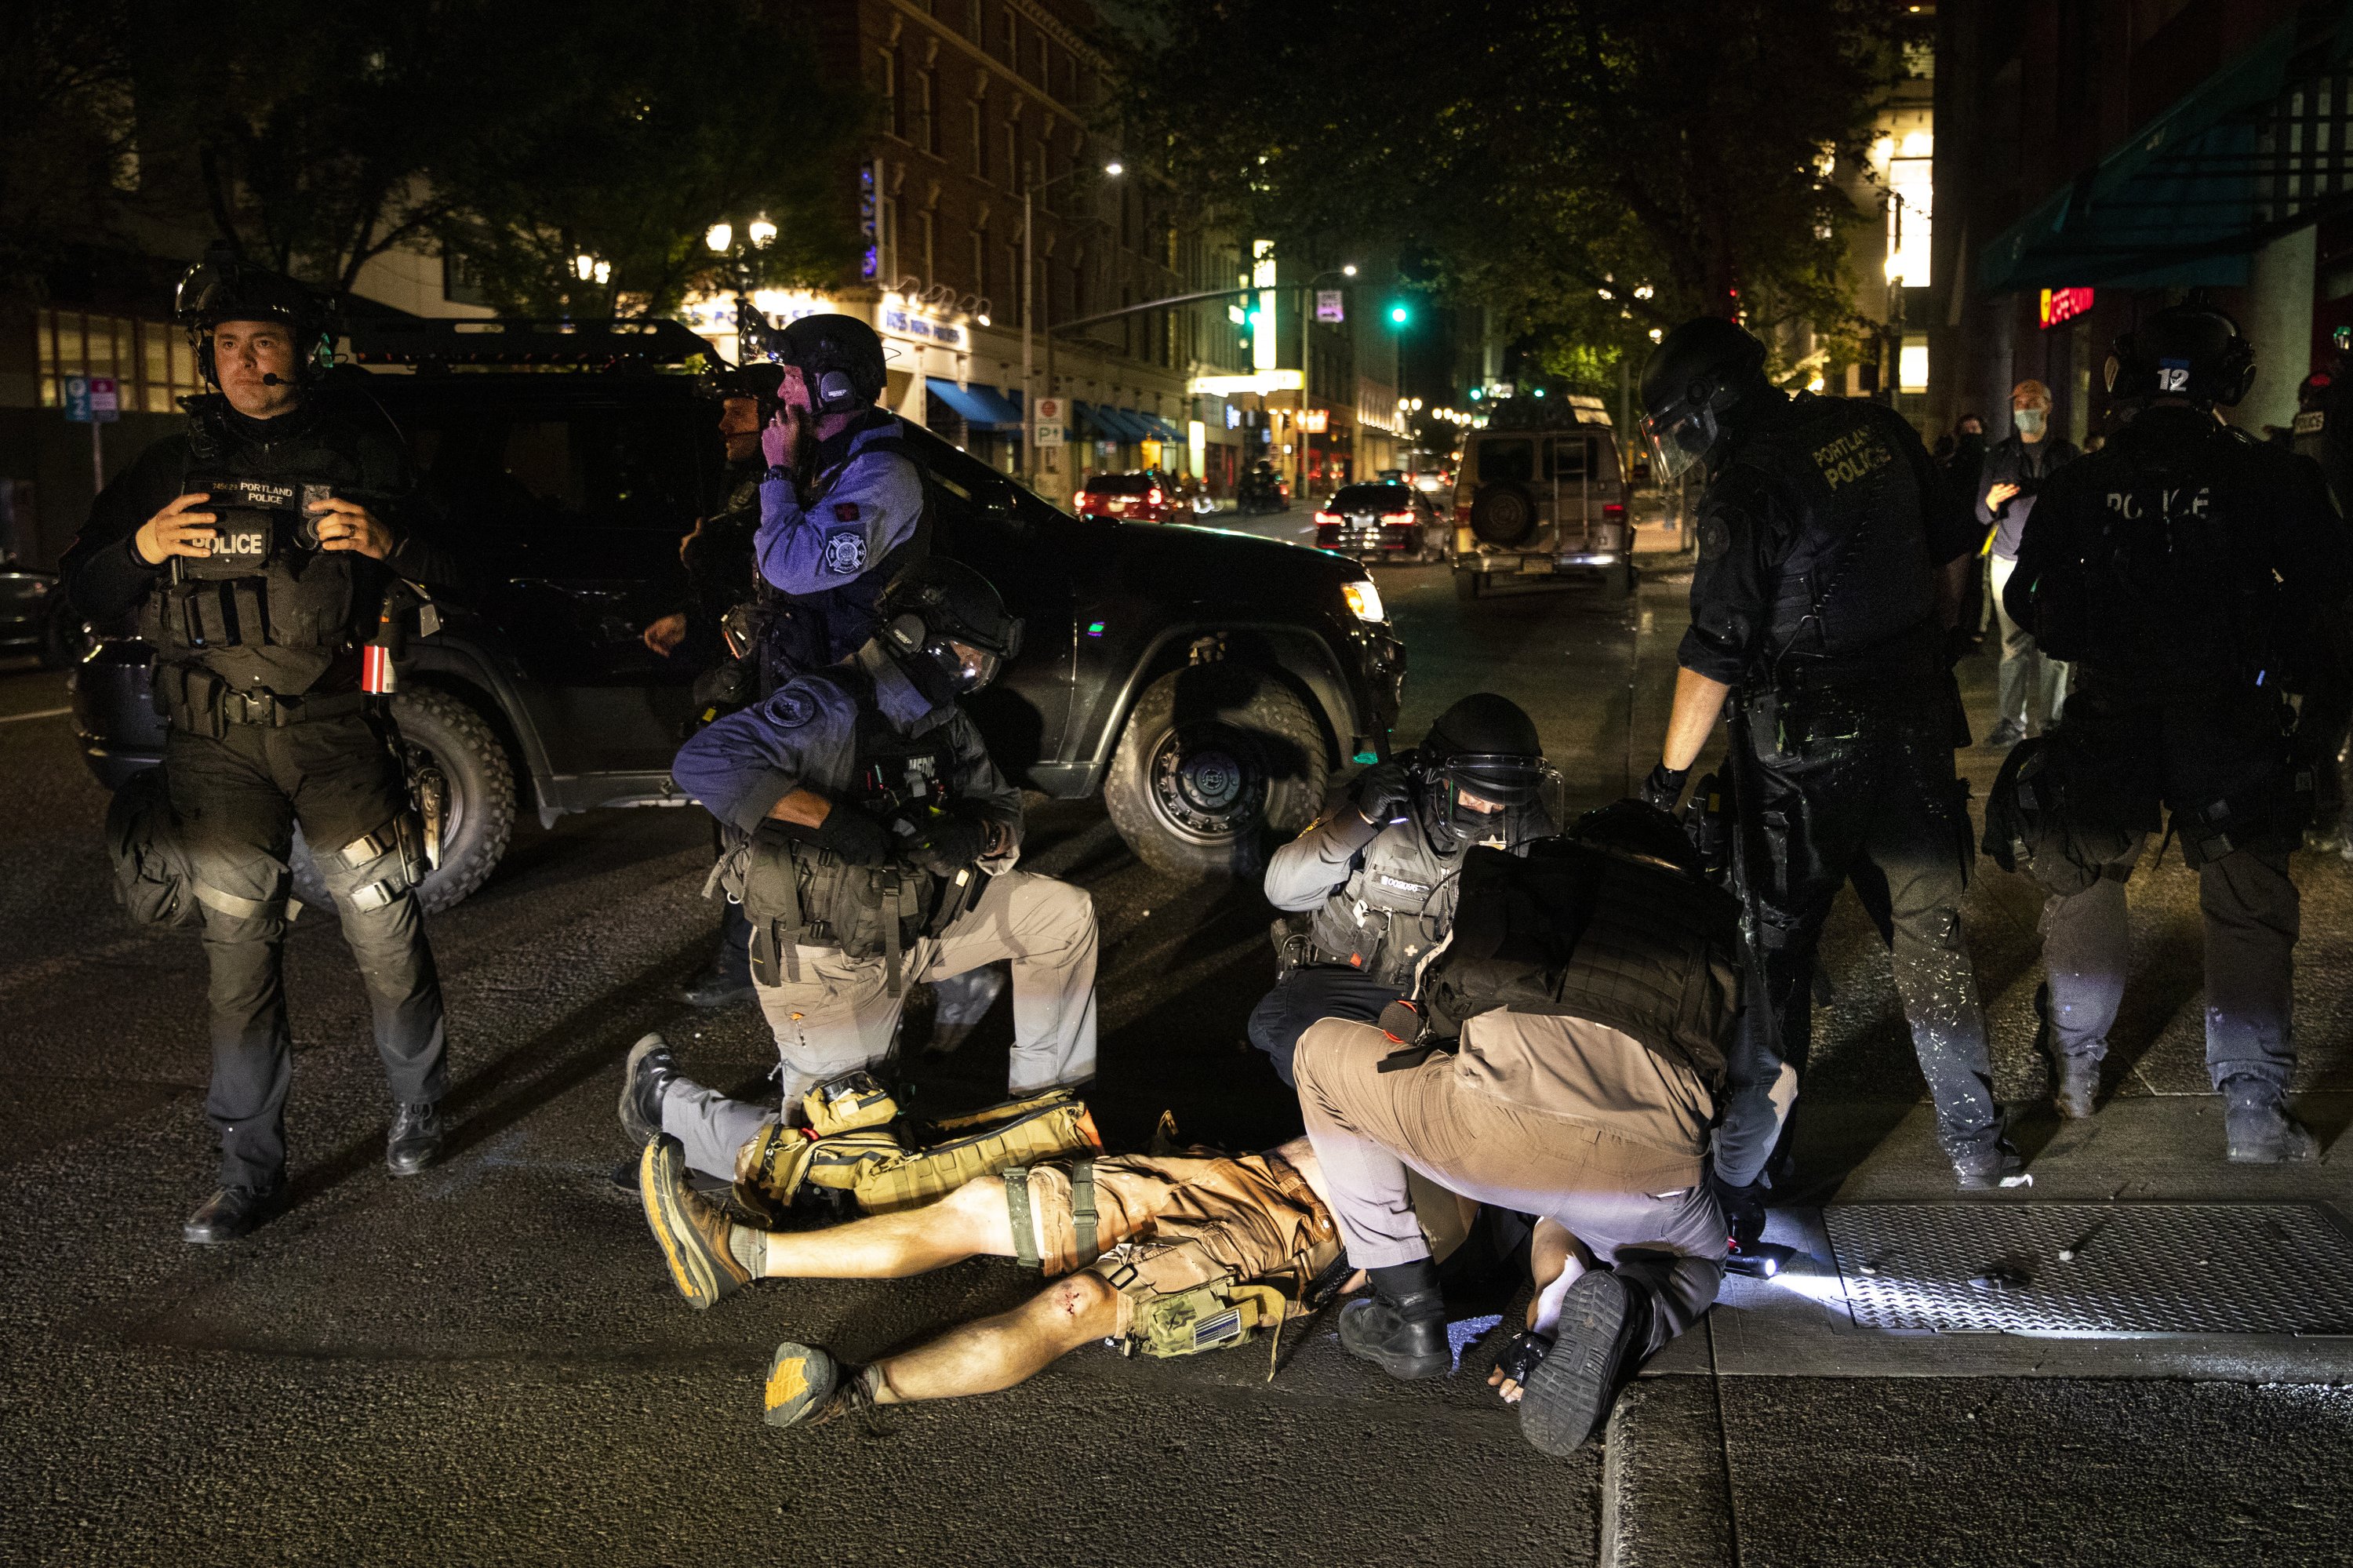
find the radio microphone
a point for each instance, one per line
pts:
(270, 378)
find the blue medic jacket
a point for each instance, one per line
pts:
(805, 735)
(824, 556)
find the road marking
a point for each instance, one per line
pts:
(44, 713)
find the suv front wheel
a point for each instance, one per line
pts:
(453, 750)
(1214, 761)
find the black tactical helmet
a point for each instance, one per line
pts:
(936, 602)
(1487, 746)
(1636, 827)
(2191, 351)
(841, 356)
(225, 287)
(760, 383)
(1701, 371)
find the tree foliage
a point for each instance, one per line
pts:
(1552, 157)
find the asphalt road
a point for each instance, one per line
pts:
(487, 1365)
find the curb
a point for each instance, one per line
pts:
(1666, 1495)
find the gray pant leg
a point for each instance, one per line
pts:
(2252, 922)
(1761, 1088)
(712, 1128)
(2019, 655)
(1356, 1139)
(2086, 951)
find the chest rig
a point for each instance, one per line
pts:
(1397, 906)
(801, 634)
(265, 586)
(796, 895)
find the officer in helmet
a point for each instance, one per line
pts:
(257, 550)
(872, 847)
(1377, 871)
(2198, 577)
(1831, 562)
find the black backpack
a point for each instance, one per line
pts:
(2039, 821)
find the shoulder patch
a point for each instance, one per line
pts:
(791, 709)
(1714, 538)
(845, 554)
(845, 512)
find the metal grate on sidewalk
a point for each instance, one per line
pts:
(2094, 1269)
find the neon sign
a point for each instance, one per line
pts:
(2062, 305)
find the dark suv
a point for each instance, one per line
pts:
(1205, 683)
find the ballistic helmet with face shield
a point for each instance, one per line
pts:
(2193, 351)
(948, 628)
(225, 287)
(1697, 375)
(1484, 773)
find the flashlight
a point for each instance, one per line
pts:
(1762, 1260)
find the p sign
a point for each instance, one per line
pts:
(91, 400)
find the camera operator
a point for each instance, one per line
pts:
(1378, 868)
(2031, 686)
(259, 549)
(2193, 577)
(872, 844)
(1832, 560)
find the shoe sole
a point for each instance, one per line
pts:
(660, 1179)
(1406, 1369)
(790, 1391)
(632, 1124)
(1566, 1395)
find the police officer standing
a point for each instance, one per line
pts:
(2191, 575)
(1380, 869)
(258, 549)
(1830, 567)
(873, 847)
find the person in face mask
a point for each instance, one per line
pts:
(1376, 874)
(2031, 685)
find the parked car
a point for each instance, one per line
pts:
(1262, 490)
(1541, 493)
(1205, 683)
(36, 619)
(1144, 496)
(1387, 522)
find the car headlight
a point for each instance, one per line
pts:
(1364, 599)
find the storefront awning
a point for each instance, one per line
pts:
(1159, 429)
(2245, 157)
(1112, 424)
(982, 408)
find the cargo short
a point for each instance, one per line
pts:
(1165, 1224)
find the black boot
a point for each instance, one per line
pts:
(1402, 1326)
(648, 1073)
(415, 1142)
(1568, 1395)
(234, 1212)
(2256, 1123)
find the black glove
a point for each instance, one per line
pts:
(851, 836)
(1743, 1212)
(1665, 786)
(1382, 792)
(948, 842)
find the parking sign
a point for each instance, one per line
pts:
(1048, 429)
(91, 400)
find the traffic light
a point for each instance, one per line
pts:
(1399, 312)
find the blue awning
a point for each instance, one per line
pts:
(1111, 424)
(1160, 428)
(982, 408)
(2191, 195)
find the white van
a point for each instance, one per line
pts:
(1541, 493)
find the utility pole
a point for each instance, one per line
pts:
(1029, 336)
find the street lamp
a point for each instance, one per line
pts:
(719, 240)
(1030, 316)
(1306, 316)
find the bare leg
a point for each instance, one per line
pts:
(998, 1352)
(1557, 1259)
(969, 1222)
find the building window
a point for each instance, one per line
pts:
(1013, 181)
(1010, 308)
(894, 120)
(926, 127)
(1040, 70)
(459, 286)
(979, 142)
(151, 362)
(1006, 51)
(923, 239)
(972, 20)
(979, 262)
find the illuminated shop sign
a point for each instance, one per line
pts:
(2061, 305)
(901, 323)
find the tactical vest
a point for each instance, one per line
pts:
(1396, 907)
(1855, 572)
(796, 895)
(808, 632)
(1579, 931)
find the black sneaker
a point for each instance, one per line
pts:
(1566, 1397)
(644, 1077)
(233, 1213)
(414, 1140)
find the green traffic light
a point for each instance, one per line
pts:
(1399, 315)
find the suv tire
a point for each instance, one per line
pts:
(1214, 760)
(455, 738)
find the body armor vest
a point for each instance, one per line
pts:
(1397, 906)
(808, 632)
(1578, 931)
(1855, 570)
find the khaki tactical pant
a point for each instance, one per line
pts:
(840, 1015)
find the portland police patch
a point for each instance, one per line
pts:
(1714, 538)
(845, 554)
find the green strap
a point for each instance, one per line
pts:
(1016, 1208)
(1083, 1208)
(229, 904)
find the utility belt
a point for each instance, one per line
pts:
(796, 895)
(197, 701)
(1798, 701)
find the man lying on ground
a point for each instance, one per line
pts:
(1127, 1235)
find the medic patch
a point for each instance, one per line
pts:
(845, 554)
(1714, 538)
(791, 709)
(845, 512)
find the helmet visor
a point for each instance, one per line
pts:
(1680, 439)
(968, 668)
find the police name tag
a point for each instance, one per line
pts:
(1400, 885)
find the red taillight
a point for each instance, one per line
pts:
(1611, 509)
(1328, 519)
(1396, 519)
(1154, 498)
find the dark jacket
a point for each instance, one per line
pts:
(2010, 460)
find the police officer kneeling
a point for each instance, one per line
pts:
(872, 847)
(1380, 869)
(258, 548)
(2193, 576)
(1587, 1000)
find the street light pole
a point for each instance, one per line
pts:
(1306, 376)
(1029, 321)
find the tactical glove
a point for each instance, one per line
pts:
(851, 836)
(948, 842)
(1665, 786)
(1382, 792)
